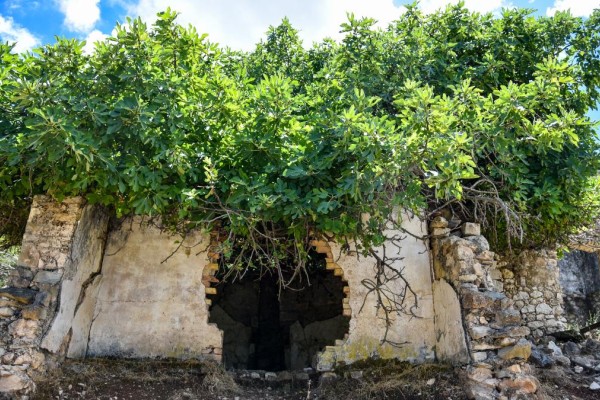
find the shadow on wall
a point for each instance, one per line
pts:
(580, 280)
(265, 330)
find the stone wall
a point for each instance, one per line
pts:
(138, 291)
(531, 280)
(494, 341)
(58, 240)
(408, 337)
(151, 283)
(78, 291)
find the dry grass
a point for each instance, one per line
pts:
(139, 380)
(395, 380)
(217, 380)
(102, 379)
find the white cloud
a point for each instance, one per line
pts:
(240, 24)
(481, 6)
(80, 15)
(11, 32)
(579, 8)
(91, 39)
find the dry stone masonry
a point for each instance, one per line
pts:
(531, 279)
(60, 243)
(495, 345)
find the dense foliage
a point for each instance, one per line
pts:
(455, 110)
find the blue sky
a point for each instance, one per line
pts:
(236, 23)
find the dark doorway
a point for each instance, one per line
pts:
(270, 330)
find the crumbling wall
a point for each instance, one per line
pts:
(71, 296)
(494, 338)
(62, 247)
(138, 292)
(150, 298)
(371, 334)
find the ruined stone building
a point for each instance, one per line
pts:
(84, 289)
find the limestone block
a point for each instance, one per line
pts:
(473, 299)
(485, 256)
(506, 341)
(478, 332)
(478, 374)
(29, 256)
(481, 391)
(519, 304)
(478, 243)
(25, 329)
(20, 295)
(464, 253)
(522, 349)
(507, 274)
(37, 359)
(468, 278)
(535, 324)
(23, 359)
(517, 331)
(48, 277)
(508, 317)
(6, 312)
(528, 309)
(480, 356)
(439, 222)
(524, 384)
(483, 346)
(478, 269)
(14, 382)
(536, 294)
(543, 308)
(34, 312)
(471, 229)
(440, 232)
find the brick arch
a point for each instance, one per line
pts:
(323, 247)
(210, 270)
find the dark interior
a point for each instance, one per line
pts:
(268, 330)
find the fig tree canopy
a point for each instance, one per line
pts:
(480, 115)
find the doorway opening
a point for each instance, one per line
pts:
(272, 330)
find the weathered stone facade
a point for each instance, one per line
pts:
(76, 278)
(531, 280)
(60, 241)
(495, 344)
(407, 337)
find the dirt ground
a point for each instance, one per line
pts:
(158, 380)
(563, 384)
(123, 380)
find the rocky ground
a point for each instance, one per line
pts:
(123, 380)
(564, 371)
(568, 370)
